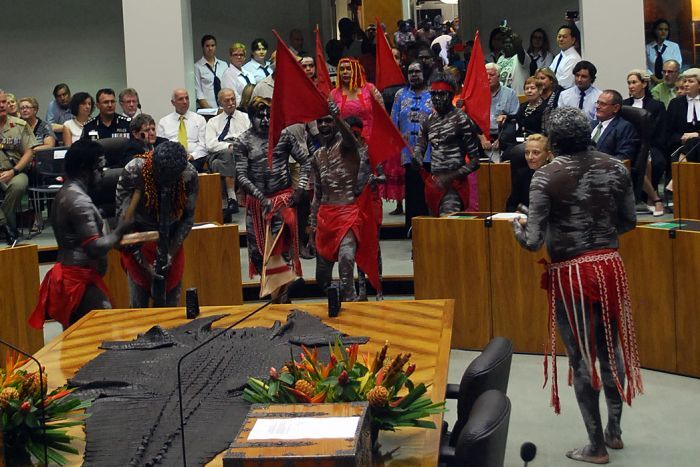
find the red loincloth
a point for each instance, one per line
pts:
(434, 195)
(289, 240)
(61, 291)
(333, 223)
(596, 277)
(139, 275)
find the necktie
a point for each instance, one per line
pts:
(596, 133)
(659, 62)
(581, 99)
(533, 64)
(561, 55)
(224, 132)
(182, 132)
(264, 69)
(217, 81)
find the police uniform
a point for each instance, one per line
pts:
(15, 138)
(95, 129)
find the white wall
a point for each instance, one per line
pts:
(613, 39)
(79, 42)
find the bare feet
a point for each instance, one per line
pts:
(613, 442)
(586, 454)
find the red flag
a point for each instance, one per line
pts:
(295, 98)
(475, 90)
(385, 140)
(388, 72)
(323, 78)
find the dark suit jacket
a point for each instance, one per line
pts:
(677, 122)
(619, 139)
(658, 120)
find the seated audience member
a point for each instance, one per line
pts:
(266, 86)
(15, 158)
(683, 118)
(536, 154)
(185, 127)
(45, 137)
(258, 67)
(143, 137)
(208, 71)
(640, 97)
(538, 51)
(221, 132)
(74, 286)
(563, 64)
(296, 42)
(583, 95)
(129, 102)
(504, 105)
(81, 107)
(235, 77)
(12, 108)
(667, 88)
(550, 91)
(529, 116)
(613, 134)
(58, 111)
(107, 123)
(661, 49)
(514, 63)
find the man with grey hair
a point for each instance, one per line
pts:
(185, 127)
(129, 102)
(504, 104)
(221, 132)
(666, 89)
(579, 204)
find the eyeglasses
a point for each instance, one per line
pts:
(238, 54)
(26, 107)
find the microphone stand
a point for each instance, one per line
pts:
(294, 286)
(42, 395)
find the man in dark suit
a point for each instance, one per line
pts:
(612, 134)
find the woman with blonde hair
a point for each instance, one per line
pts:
(537, 154)
(640, 97)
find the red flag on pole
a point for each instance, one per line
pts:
(385, 140)
(475, 90)
(323, 78)
(388, 71)
(295, 98)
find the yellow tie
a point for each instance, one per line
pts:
(182, 132)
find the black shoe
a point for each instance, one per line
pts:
(11, 234)
(232, 206)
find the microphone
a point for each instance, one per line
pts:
(527, 452)
(292, 288)
(42, 393)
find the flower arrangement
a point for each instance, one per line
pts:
(21, 414)
(394, 400)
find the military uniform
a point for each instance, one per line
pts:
(95, 129)
(15, 138)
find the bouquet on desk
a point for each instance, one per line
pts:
(394, 400)
(21, 430)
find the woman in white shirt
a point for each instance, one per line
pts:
(81, 105)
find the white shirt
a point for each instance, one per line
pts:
(195, 125)
(671, 52)
(693, 102)
(257, 71)
(572, 96)
(235, 79)
(603, 126)
(444, 42)
(204, 79)
(513, 74)
(543, 60)
(563, 69)
(638, 103)
(215, 125)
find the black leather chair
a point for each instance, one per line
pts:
(641, 120)
(114, 151)
(482, 441)
(46, 178)
(490, 370)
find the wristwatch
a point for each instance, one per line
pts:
(15, 171)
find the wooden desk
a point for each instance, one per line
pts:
(686, 265)
(422, 328)
(686, 191)
(212, 264)
(19, 291)
(209, 207)
(499, 182)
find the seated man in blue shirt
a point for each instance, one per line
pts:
(504, 104)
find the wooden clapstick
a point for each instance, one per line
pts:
(139, 237)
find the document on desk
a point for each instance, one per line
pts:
(508, 215)
(304, 428)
